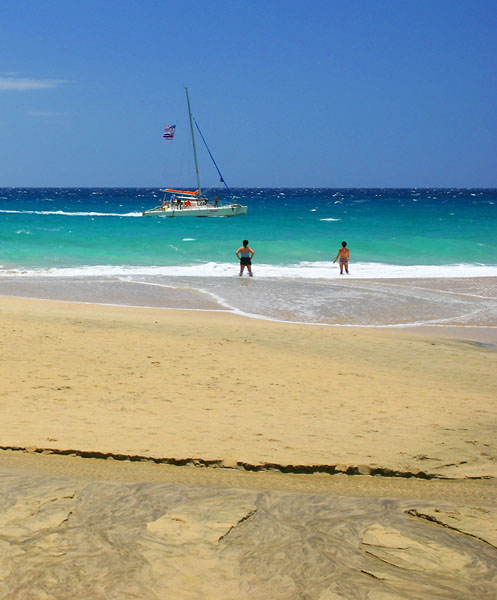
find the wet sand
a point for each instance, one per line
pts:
(90, 528)
(468, 302)
(263, 417)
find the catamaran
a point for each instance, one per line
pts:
(183, 203)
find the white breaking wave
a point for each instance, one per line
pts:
(72, 214)
(302, 270)
(330, 219)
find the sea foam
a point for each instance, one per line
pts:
(72, 213)
(302, 270)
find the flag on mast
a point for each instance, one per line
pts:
(169, 131)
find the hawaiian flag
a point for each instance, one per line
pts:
(169, 132)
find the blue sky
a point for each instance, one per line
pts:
(290, 93)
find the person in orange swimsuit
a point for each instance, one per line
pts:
(343, 255)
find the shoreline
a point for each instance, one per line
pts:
(479, 333)
(304, 269)
(384, 303)
(484, 335)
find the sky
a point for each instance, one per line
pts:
(288, 93)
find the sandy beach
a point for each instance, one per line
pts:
(208, 455)
(222, 389)
(321, 426)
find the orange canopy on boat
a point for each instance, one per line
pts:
(183, 192)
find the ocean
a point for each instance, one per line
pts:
(418, 256)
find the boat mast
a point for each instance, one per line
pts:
(193, 142)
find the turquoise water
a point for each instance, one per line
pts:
(417, 256)
(297, 228)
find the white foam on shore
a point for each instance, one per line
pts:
(71, 214)
(302, 270)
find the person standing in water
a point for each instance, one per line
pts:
(245, 255)
(343, 255)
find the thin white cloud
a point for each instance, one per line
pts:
(24, 83)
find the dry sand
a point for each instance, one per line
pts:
(221, 390)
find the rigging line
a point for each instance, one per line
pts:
(212, 158)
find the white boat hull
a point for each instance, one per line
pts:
(230, 210)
